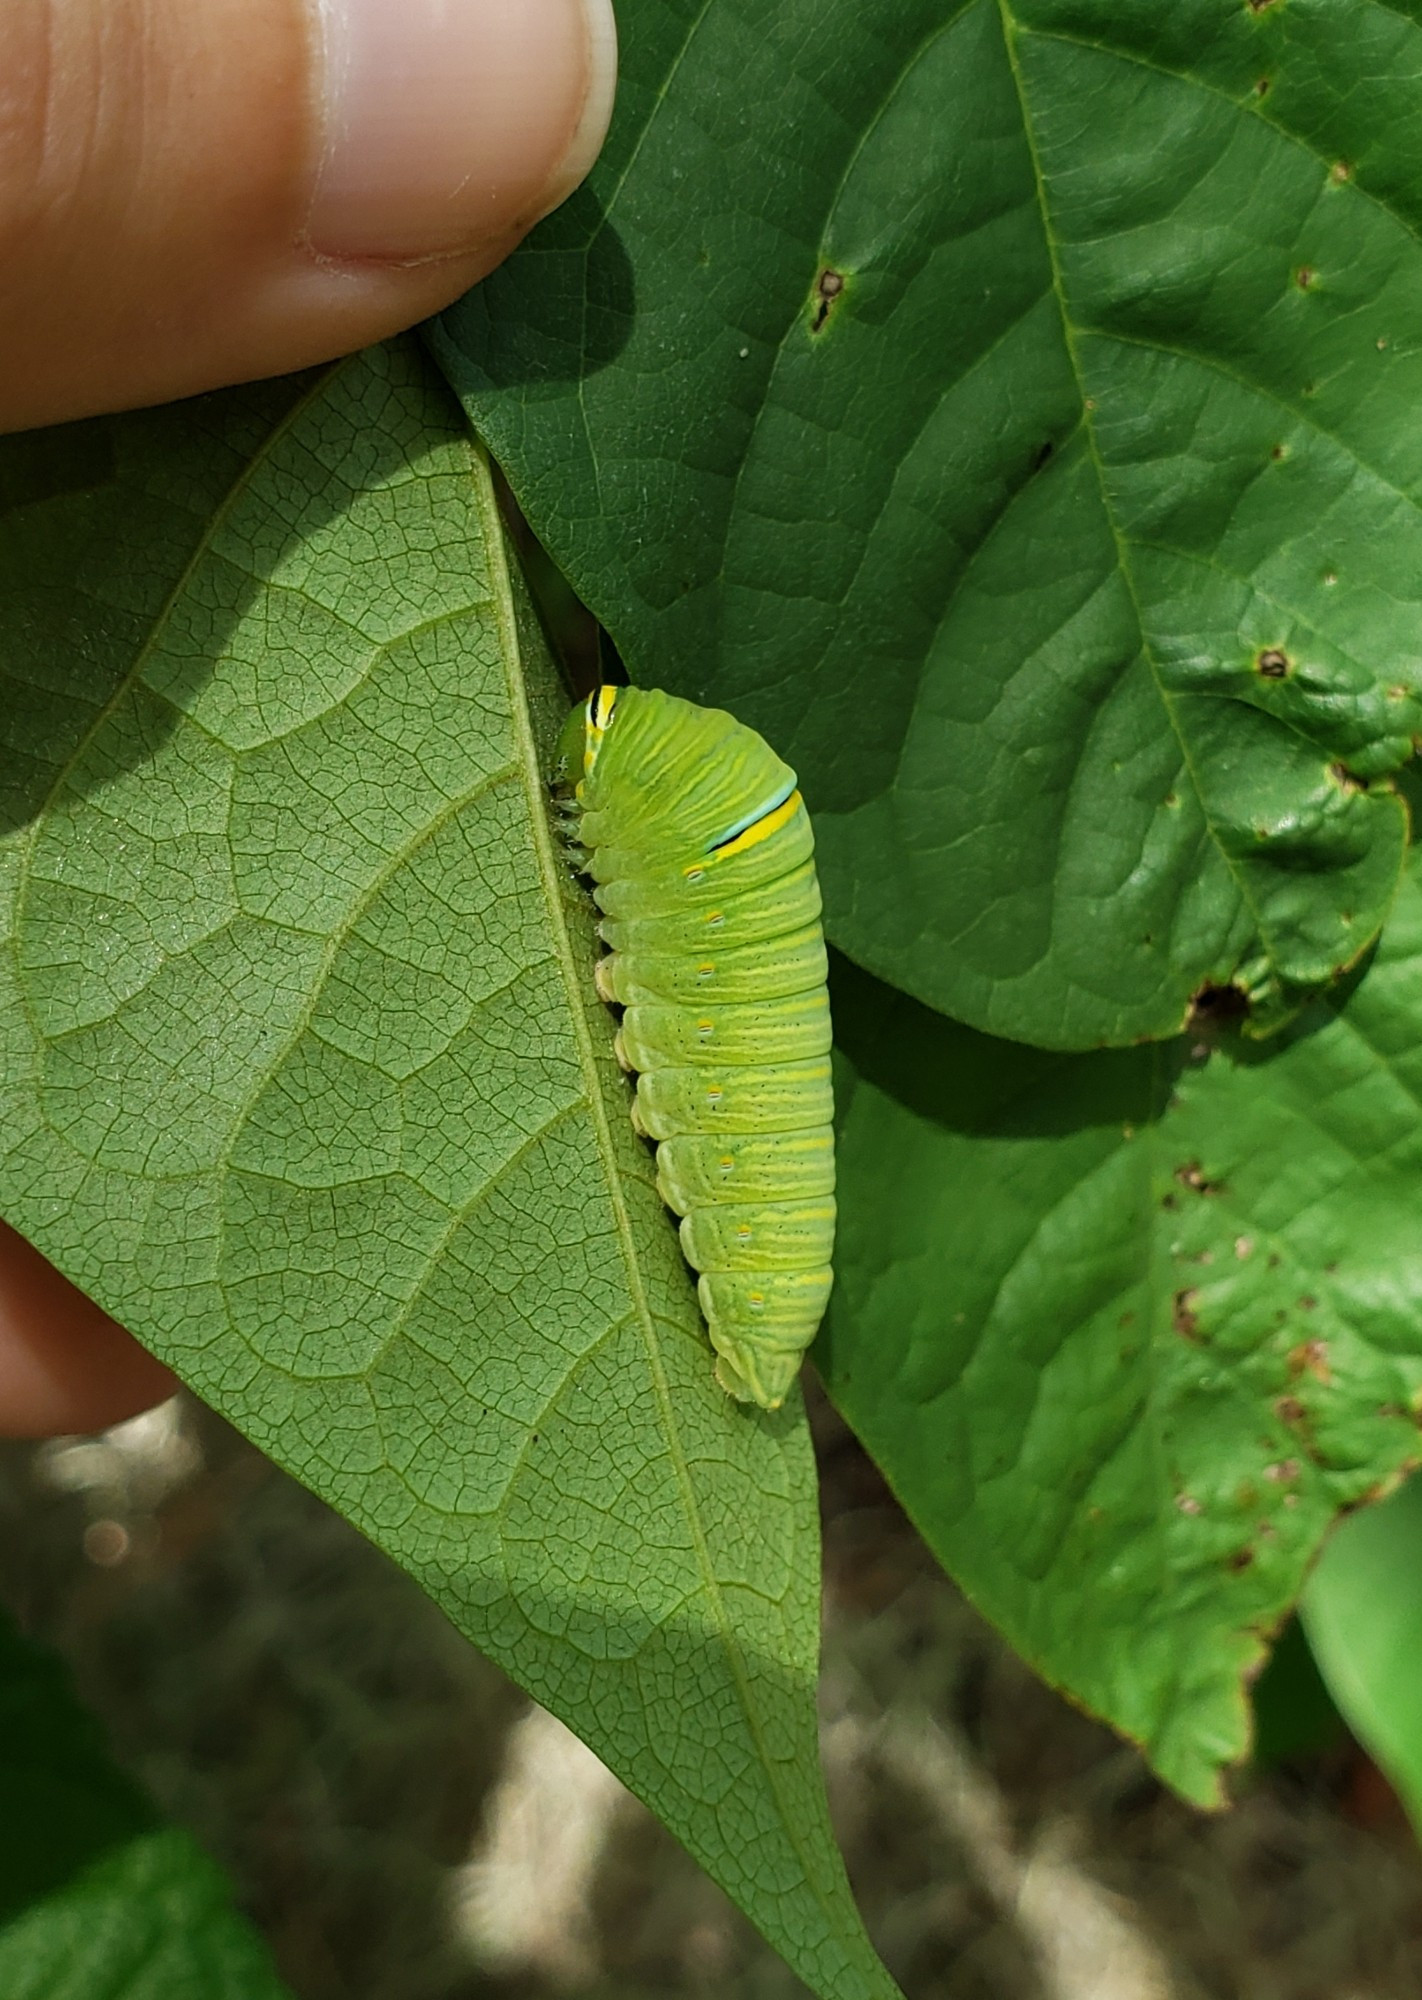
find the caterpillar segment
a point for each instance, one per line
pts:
(701, 851)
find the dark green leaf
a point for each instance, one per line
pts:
(1294, 1714)
(1008, 409)
(1363, 1613)
(1125, 1331)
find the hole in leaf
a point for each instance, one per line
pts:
(1218, 1007)
(828, 287)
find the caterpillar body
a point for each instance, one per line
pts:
(701, 855)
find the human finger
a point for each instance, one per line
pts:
(199, 192)
(64, 1365)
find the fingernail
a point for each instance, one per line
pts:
(451, 123)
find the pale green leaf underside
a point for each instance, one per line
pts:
(1117, 395)
(304, 1080)
(1126, 1331)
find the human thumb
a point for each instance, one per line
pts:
(197, 192)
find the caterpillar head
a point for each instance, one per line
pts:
(566, 771)
(581, 739)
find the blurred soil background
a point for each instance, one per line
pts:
(403, 1825)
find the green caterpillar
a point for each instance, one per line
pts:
(701, 853)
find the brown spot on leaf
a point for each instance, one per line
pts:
(1188, 1504)
(1191, 1176)
(1305, 277)
(1345, 779)
(1241, 1559)
(1183, 1316)
(1310, 1357)
(1272, 664)
(1289, 1410)
(1340, 171)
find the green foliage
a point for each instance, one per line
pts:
(306, 1083)
(98, 1899)
(1363, 1615)
(1126, 1330)
(1006, 409)
(1009, 409)
(1294, 1714)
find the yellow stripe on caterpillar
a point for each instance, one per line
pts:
(762, 829)
(600, 712)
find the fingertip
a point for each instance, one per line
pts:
(446, 129)
(219, 190)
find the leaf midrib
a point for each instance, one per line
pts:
(548, 863)
(1010, 29)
